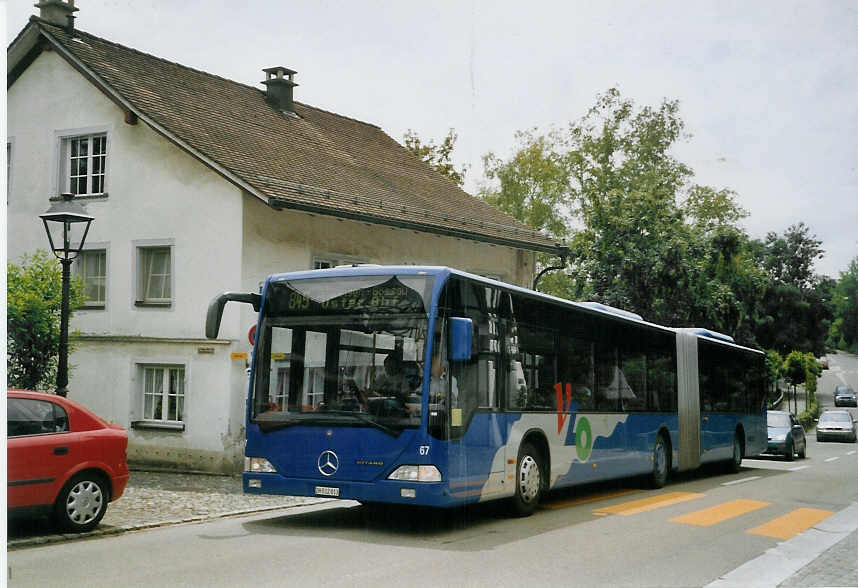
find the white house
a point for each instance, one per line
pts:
(199, 185)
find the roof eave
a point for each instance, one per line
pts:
(21, 52)
(284, 204)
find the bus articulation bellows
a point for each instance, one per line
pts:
(432, 386)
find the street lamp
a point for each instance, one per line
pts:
(564, 252)
(66, 223)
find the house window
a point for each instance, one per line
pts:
(91, 266)
(163, 393)
(154, 275)
(83, 164)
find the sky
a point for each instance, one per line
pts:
(768, 90)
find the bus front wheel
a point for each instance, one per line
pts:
(528, 480)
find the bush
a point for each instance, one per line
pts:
(808, 417)
(34, 300)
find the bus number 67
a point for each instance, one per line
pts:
(424, 450)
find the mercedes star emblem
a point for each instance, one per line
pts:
(328, 463)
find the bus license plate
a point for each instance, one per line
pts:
(326, 491)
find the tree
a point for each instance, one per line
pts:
(796, 310)
(643, 237)
(661, 245)
(795, 371)
(844, 329)
(439, 157)
(533, 185)
(774, 370)
(789, 259)
(34, 296)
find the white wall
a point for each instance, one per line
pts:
(282, 241)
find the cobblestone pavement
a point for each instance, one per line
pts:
(153, 499)
(838, 566)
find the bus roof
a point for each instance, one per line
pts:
(445, 272)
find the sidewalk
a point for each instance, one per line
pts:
(154, 499)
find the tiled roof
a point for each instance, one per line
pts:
(317, 161)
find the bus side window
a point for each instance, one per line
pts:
(608, 379)
(575, 366)
(634, 367)
(661, 379)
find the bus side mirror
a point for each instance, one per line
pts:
(461, 338)
(215, 310)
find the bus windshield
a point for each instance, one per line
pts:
(342, 351)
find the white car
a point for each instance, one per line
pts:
(836, 425)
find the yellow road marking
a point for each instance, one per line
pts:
(792, 523)
(586, 499)
(645, 504)
(720, 513)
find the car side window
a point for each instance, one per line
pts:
(25, 416)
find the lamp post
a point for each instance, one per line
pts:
(564, 252)
(66, 223)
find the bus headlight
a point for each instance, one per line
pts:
(416, 473)
(258, 465)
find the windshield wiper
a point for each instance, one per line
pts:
(364, 419)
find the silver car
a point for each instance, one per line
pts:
(844, 396)
(836, 425)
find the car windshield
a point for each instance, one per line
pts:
(778, 419)
(835, 417)
(844, 390)
(342, 352)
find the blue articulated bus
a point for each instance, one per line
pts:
(432, 386)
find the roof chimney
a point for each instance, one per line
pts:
(278, 88)
(57, 12)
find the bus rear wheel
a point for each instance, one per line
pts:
(660, 463)
(528, 480)
(735, 464)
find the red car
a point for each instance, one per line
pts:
(63, 459)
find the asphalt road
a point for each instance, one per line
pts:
(691, 533)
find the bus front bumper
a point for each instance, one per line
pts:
(390, 491)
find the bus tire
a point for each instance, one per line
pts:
(735, 463)
(660, 462)
(528, 480)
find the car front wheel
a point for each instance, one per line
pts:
(789, 453)
(82, 503)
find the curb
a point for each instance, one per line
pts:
(102, 531)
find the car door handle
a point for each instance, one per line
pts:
(62, 450)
